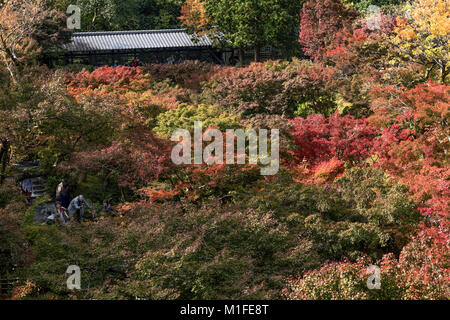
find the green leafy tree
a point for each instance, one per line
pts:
(363, 212)
(185, 115)
(116, 15)
(246, 23)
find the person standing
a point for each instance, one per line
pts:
(135, 62)
(63, 193)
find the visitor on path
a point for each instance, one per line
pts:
(63, 193)
(76, 208)
(50, 218)
(106, 207)
(135, 62)
(171, 60)
(61, 213)
(28, 199)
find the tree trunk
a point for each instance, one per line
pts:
(257, 53)
(241, 56)
(3, 159)
(9, 68)
(444, 73)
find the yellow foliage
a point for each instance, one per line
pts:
(422, 34)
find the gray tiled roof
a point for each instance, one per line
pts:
(129, 40)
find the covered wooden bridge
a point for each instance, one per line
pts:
(149, 46)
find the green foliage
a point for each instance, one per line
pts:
(363, 5)
(377, 198)
(96, 188)
(115, 15)
(362, 213)
(287, 198)
(8, 193)
(246, 22)
(223, 182)
(185, 115)
(30, 214)
(311, 103)
(56, 248)
(14, 251)
(189, 253)
(209, 253)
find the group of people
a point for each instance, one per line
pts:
(67, 210)
(64, 215)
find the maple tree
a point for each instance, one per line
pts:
(358, 64)
(415, 146)
(320, 24)
(184, 117)
(421, 36)
(188, 74)
(134, 158)
(194, 17)
(363, 177)
(319, 138)
(276, 89)
(421, 271)
(25, 26)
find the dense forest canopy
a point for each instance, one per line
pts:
(116, 15)
(361, 102)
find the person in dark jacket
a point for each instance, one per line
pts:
(63, 193)
(106, 207)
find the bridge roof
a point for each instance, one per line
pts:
(132, 40)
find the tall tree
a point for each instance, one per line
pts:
(243, 23)
(422, 36)
(4, 149)
(26, 26)
(118, 15)
(321, 21)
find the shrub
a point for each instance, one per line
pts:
(216, 252)
(362, 213)
(14, 252)
(188, 74)
(185, 115)
(421, 272)
(293, 89)
(319, 138)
